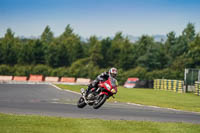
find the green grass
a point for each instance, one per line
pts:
(75, 88)
(161, 98)
(43, 124)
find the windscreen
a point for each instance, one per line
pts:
(114, 82)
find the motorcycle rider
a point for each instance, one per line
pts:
(102, 77)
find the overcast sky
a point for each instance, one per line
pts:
(98, 17)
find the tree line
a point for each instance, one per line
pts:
(69, 55)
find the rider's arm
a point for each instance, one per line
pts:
(102, 76)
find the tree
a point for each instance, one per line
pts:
(189, 32)
(154, 58)
(74, 48)
(47, 35)
(38, 52)
(62, 55)
(187, 37)
(68, 32)
(9, 48)
(105, 46)
(26, 52)
(170, 47)
(95, 51)
(170, 42)
(126, 58)
(52, 55)
(143, 50)
(70, 47)
(144, 44)
(1, 52)
(115, 49)
(194, 51)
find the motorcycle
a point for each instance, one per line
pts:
(98, 97)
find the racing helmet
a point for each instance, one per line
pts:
(113, 72)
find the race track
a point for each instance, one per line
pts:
(47, 100)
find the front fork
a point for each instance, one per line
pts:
(83, 92)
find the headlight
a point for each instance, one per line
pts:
(113, 91)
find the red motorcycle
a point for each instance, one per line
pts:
(97, 98)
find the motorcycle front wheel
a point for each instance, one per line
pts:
(81, 103)
(100, 101)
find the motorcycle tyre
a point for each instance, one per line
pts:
(101, 102)
(81, 103)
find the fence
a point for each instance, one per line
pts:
(191, 75)
(197, 88)
(170, 85)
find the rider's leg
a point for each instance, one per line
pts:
(88, 89)
(94, 84)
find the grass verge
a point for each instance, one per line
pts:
(43, 124)
(161, 98)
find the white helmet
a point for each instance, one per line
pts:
(113, 72)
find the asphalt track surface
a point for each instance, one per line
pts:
(38, 99)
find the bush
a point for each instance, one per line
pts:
(6, 70)
(164, 74)
(121, 77)
(86, 69)
(41, 69)
(22, 70)
(61, 72)
(139, 72)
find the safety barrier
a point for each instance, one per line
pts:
(20, 78)
(36, 78)
(51, 79)
(5, 78)
(170, 85)
(83, 81)
(197, 88)
(48, 79)
(68, 79)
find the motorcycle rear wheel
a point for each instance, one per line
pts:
(101, 101)
(81, 103)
